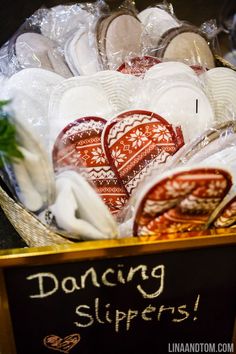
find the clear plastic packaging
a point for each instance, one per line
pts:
(210, 142)
(156, 21)
(168, 38)
(30, 179)
(174, 91)
(42, 41)
(118, 37)
(80, 42)
(108, 135)
(103, 94)
(29, 91)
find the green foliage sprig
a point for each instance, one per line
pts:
(8, 142)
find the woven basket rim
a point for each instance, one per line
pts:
(7, 203)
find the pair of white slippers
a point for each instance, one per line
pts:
(33, 50)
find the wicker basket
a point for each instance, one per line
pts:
(220, 61)
(32, 231)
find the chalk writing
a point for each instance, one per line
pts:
(106, 314)
(110, 277)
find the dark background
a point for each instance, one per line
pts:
(13, 14)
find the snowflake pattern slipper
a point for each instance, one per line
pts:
(135, 143)
(79, 146)
(182, 201)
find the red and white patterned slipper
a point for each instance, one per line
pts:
(138, 66)
(136, 142)
(181, 201)
(79, 146)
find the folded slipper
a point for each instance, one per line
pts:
(183, 104)
(165, 70)
(82, 203)
(64, 211)
(31, 185)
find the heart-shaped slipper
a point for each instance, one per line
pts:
(63, 345)
(136, 142)
(180, 201)
(79, 145)
(118, 36)
(186, 43)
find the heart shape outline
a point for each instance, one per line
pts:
(63, 345)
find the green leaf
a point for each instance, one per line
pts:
(4, 103)
(8, 142)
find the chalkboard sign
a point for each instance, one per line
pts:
(128, 297)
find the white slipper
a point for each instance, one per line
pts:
(81, 53)
(36, 51)
(83, 203)
(64, 211)
(118, 37)
(183, 104)
(102, 95)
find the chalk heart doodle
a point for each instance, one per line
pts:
(63, 345)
